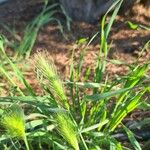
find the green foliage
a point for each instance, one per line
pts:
(132, 139)
(76, 120)
(132, 25)
(24, 46)
(33, 28)
(135, 26)
(16, 70)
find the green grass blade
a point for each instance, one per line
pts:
(114, 144)
(113, 17)
(132, 80)
(9, 78)
(132, 139)
(16, 70)
(124, 109)
(93, 127)
(101, 62)
(97, 97)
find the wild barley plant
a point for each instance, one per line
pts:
(64, 124)
(46, 67)
(13, 121)
(67, 129)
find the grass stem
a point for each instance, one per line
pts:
(86, 148)
(26, 143)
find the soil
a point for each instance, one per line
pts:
(125, 43)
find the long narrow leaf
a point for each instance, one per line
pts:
(132, 139)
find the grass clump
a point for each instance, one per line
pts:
(24, 46)
(78, 120)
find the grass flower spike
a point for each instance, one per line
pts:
(46, 67)
(67, 129)
(13, 122)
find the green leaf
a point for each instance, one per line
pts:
(87, 84)
(132, 139)
(32, 124)
(144, 106)
(82, 41)
(97, 97)
(124, 109)
(140, 124)
(114, 144)
(36, 134)
(132, 26)
(94, 126)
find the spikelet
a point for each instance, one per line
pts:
(13, 121)
(67, 129)
(46, 67)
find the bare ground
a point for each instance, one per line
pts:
(125, 44)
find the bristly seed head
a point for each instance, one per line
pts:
(45, 66)
(13, 121)
(67, 129)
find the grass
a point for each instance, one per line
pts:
(77, 120)
(24, 46)
(13, 122)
